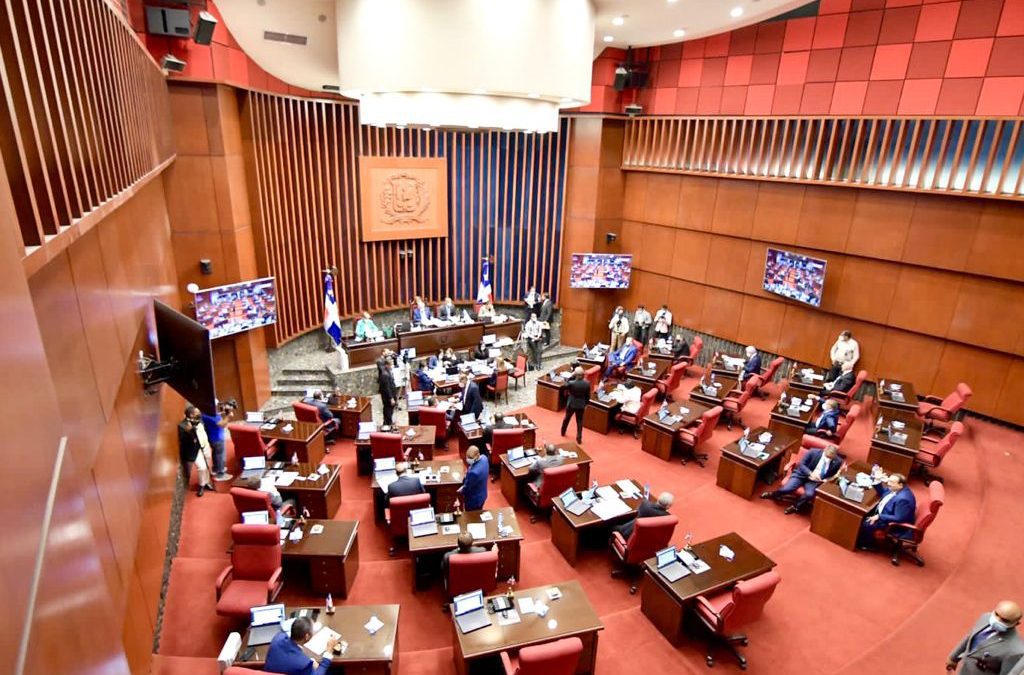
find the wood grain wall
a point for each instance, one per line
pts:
(505, 196)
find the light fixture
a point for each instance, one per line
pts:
(609, 38)
(618, 21)
(480, 92)
(736, 12)
(533, 95)
(678, 32)
(672, 2)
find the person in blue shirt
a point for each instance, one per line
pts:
(286, 656)
(623, 357)
(214, 426)
(752, 366)
(474, 485)
(423, 379)
(420, 311)
(827, 421)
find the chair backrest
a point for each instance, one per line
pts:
(501, 381)
(414, 381)
(696, 347)
(642, 350)
(252, 500)
(247, 441)
(521, 362)
(956, 398)
(708, 422)
(748, 601)
(593, 376)
(675, 374)
(436, 418)
(947, 442)
(773, 367)
(650, 535)
(551, 658)
(927, 511)
(857, 384)
(557, 480)
(739, 402)
(256, 553)
(846, 422)
(386, 445)
(306, 413)
(503, 439)
(400, 508)
(646, 401)
(472, 571)
(965, 393)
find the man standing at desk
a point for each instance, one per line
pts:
(474, 485)
(547, 308)
(386, 387)
(285, 655)
(531, 301)
(662, 323)
(471, 401)
(532, 333)
(898, 505)
(992, 645)
(752, 366)
(817, 467)
(579, 394)
(448, 311)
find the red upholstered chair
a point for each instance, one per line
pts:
(846, 398)
(248, 442)
(396, 515)
(437, 419)
(668, 384)
(502, 440)
(812, 441)
(520, 369)
(649, 536)
(695, 349)
(552, 658)
(768, 376)
(247, 500)
(933, 410)
(692, 437)
(734, 402)
(636, 420)
(556, 480)
(472, 571)
(254, 576)
(239, 670)
(307, 413)
(727, 611)
(931, 459)
(499, 387)
(593, 376)
(906, 537)
(384, 444)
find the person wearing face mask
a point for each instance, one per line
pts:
(845, 352)
(992, 645)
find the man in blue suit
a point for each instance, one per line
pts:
(624, 357)
(898, 505)
(420, 311)
(752, 366)
(827, 421)
(817, 467)
(285, 656)
(474, 485)
(472, 402)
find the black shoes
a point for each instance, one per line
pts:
(199, 492)
(767, 495)
(791, 510)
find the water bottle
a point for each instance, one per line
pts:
(647, 491)
(501, 522)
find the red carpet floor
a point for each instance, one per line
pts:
(835, 612)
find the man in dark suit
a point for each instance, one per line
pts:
(448, 311)
(817, 467)
(579, 394)
(285, 654)
(648, 509)
(474, 485)
(752, 366)
(547, 458)
(471, 401)
(680, 348)
(827, 421)
(992, 645)
(189, 445)
(547, 308)
(406, 485)
(386, 387)
(898, 505)
(842, 383)
(317, 400)
(465, 543)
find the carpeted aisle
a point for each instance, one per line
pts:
(835, 611)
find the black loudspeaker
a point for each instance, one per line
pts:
(172, 63)
(205, 266)
(205, 23)
(621, 78)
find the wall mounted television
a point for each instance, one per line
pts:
(600, 270)
(234, 308)
(794, 276)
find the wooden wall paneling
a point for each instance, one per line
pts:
(805, 334)
(987, 313)
(941, 232)
(721, 312)
(761, 323)
(995, 250)
(909, 356)
(865, 289)
(984, 371)
(697, 198)
(914, 307)
(1008, 406)
(734, 208)
(727, 262)
(880, 224)
(686, 302)
(825, 217)
(658, 242)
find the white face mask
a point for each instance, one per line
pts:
(997, 624)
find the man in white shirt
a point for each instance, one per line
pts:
(533, 333)
(662, 323)
(845, 352)
(619, 326)
(641, 323)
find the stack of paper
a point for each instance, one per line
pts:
(628, 488)
(607, 492)
(385, 478)
(373, 625)
(286, 478)
(477, 530)
(609, 508)
(318, 643)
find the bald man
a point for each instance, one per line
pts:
(992, 645)
(579, 394)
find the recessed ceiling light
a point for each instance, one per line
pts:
(609, 38)
(678, 32)
(533, 95)
(618, 21)
(736, 11)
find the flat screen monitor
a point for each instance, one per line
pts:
(600, 270)
(226, 310)
(186, 343)
(794, 276)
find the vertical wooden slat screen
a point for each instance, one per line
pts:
(973, 156)
(505, 198)
(84, 112)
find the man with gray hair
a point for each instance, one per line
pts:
(648, 509)
(547, 457)
(579, 394)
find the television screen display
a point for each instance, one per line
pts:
(600, 270)
(185, 344)
(794, 276)
(226, 310)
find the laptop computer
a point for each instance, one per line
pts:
(517, 458)
(264, 624)
(253, 467)
(384, 464)
(669, 565)
(422, 522)
(469, 611)
(365, 429)
(256, 518)
(254, 417)
(572, 503)
(854, 493)
(490, 339)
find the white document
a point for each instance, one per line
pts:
(609, 508)
(477, 530)
(286, 478)
(540, 608)
(526, 605)
(322, 470)
(267, 484)
(287, 428)
(627, 487)
(508, 617)
(511, 421)
(318, 643)
(726, 552)
(386, 478)
(607, 492)
(373, 625)
(486, 515)
(450, 529)
(316, 529)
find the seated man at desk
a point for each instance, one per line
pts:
(817, 467)
(648, 509)
(448, 311)
(842, 383)
(423, 380)
(420, 311)
(281, 506)
(898, 505)
(547, 458)
(465, 543)
(500, 366)
(406, 485)
(752, 366)
(474, 485)
(827, 421)
(680, 347)
(486, 311)
(286, 656)
(318, 401)
(367, 330)
(624, 357)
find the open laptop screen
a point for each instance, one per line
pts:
(267, 614)
(568, 497)
(422, 516)
(468, 602)
(666, 556)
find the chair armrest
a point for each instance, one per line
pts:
(222, 579)
(908, 526)
(687, 436)
(270, 445)
(932, 399)
(506, 663)
(274, 584)
(706, 606)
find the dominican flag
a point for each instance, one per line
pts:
(483, 291)
(331, 323)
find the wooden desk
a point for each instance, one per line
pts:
(904, 399)
(331, 558)
(570, 616)
(509, 329)
(370, 654)
(589, 360)
(305, 440)
(321, 497)
(837, 518)
(551, 394)
(365, 353)
(740, 474)
(721, 370)
(427, 551)
(599, 415)
(658, 438)
(728, 384)
(647, 376)
(665, 604)
(512, 480)
(666, 357)
(349, 416)
(569, 532)
(468, 438)
(780, 412)
(799, 384)
(442, 494)
(457, 336)
(422, 442)
(891, 456)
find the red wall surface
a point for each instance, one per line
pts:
(857, 57)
